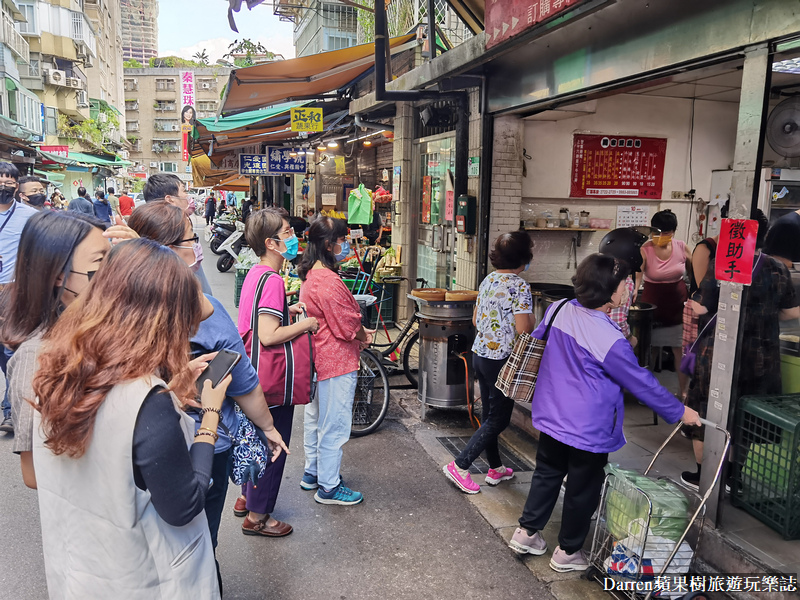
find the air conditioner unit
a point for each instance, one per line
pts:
(83, 99)
(154, 164)
(205, 86)
(176, 128)
(74, 82)
(56, 77)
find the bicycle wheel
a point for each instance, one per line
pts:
(371, 402)
(411, 359)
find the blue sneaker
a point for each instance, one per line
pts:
(341, 494)
(309, 482)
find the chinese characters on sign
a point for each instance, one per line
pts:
(617, 166)
(426, 199)
(507, 18)
(306, 119)
(737, 246)
(62, 151)
(277, 160)
(188, 113)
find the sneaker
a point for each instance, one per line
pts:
(495, 476)
(691, 480)
(309, 482)
(7, 425)
(522, 543)
(240, 507)
(563, 562)
(465, 484)
(341, 494)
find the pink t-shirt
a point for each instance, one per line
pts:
(665, 271)
(271, 301)
(328, 299)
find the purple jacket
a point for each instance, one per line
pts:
(586, 364)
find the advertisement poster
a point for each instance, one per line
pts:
(426, 199)
(735, 251)
(188, 113)
(396, 184)
(617, 166)
(507, 18)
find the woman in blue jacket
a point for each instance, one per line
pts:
(578, 408)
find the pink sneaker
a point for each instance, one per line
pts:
(522, 543)
(465, 484)
(495, 476)
(563, 562)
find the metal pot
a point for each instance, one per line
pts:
(640, 321)
(538, 289)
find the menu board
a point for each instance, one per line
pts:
(617, 166)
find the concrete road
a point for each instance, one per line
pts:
(414, 536)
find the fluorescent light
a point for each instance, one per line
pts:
(292, 152)
(333, 144)
(322, 147)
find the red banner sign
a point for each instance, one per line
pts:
(617, 166)
(62, 151)
(507, 18)
(426, 199)
(735, 251)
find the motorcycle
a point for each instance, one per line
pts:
(221, 231)
(230, 249)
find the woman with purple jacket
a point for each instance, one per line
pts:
(578, 408)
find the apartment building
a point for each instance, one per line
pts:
(20, 107)
(139, 29)
(106, 74)
(153, 112)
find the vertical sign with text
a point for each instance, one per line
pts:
(188, 112)
(735, 251)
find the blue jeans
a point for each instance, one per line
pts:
(327, 427)
(5, 356)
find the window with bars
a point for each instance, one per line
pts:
(165, 85)
(340, 17)
(208, 105)
(169, 167)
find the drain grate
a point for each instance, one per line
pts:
(455, 444)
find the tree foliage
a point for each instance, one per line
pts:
(399, 16)
(92, 132)
(202, 56)
(132, 64)
(172, 62)
(250, 50)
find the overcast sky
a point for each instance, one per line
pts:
(188, 27)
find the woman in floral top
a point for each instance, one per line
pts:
(504, 309)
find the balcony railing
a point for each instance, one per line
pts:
(165, 107)
(131, 106)
(14, 40)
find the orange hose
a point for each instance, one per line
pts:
(472, 418)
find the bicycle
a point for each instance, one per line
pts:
(371, 401)
(408, 334)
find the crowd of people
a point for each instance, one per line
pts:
(152, 454)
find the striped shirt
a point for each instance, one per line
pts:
(21, 369)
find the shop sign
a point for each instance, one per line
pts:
(426, 199)
(276, 161)
(474, 168)
(253, 164)
(617, 166)
(396, 184)
(508, 18)
(306, 119)
(62, 151)
(735, 251)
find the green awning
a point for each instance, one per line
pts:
(79, 158)
(11, 85)
(51, 176)
(245, 119)
(106, 105)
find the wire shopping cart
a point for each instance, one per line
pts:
(648, 530)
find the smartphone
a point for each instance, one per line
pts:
(218, 369)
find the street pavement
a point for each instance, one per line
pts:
(414, 536)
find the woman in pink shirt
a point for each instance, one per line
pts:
(665, 262)
(338, 344)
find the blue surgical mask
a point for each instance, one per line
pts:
(291, 247)
(344, 252)
(526, 267)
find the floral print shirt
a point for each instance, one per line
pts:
(501, 296)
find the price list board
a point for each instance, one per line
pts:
(606, 166)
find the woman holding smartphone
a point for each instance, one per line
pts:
(122, 474)
(169, 225)
(338, 345)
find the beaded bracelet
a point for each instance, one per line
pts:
(209, 409)
(204, 431)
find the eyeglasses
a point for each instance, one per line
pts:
(194, 239)
(89, 274)
(288, 232)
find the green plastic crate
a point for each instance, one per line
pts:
(238, 282)
(766, 455)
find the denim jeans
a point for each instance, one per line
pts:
(327, 423)
(5, 356)
(497, 410)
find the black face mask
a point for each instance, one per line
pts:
(7, 194)
(36, 199)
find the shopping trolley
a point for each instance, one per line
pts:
(639, 547)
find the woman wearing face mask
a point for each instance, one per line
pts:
(665, 261)
(168, 225)
(338, 344)
(122, 475)
(579, 410)
(503, 310)
(59, 253)
(269, 235)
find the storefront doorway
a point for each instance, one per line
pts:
(433, 180)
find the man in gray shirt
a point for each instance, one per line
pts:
(82, 204)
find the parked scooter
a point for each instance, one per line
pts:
(221, 231)
(230, 249)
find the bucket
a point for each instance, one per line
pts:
(640, 321)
